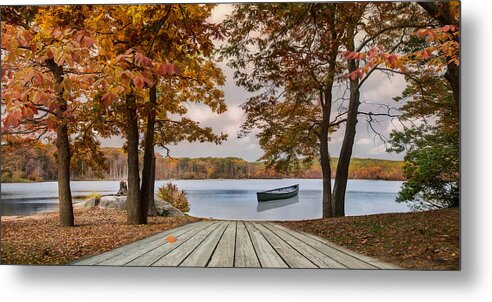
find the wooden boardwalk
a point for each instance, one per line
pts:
(235, 244)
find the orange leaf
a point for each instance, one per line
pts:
(171, 239)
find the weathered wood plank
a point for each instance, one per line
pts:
(245, 253)
(202, 254)
(267, 256)
(97, 259)
(223, 255)
(178, 254)
(348, 260)
(373, 261)
(292, 257)
(315, 256)
(150, 257)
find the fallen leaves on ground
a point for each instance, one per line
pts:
(420, 240)
(39, 239)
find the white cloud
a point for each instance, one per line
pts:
(220, 12)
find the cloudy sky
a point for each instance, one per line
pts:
(377, 89)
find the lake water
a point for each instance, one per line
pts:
(221, 199)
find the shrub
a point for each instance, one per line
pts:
(176, 197)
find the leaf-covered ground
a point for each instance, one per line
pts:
(39, 239)
(419, 240)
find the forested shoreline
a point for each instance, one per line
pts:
(37, 162)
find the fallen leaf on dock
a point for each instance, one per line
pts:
(171, 239)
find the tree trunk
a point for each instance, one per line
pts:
(147, 192)
(453, 76)
(341, 176)
(133, 204)
(325, 158)
(64, 192)
(63, 148)
(152, 208)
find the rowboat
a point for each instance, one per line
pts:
(279, 193)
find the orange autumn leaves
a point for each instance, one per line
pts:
(29, 92)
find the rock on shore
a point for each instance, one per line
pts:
(163, 207)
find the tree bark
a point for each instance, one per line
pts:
(152, 208)
(64, 192)
(147, 192)
(325, 158)
(341, 176)
(63, 148)
(133, 203)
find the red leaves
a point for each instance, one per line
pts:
(355, 74)
(56, 33)
(353, 55)
(425, 54)
(87, 42)
(142, 60)
(108, 98)
(166, 69)
(447, 28)
(138, 82)
(141, 79)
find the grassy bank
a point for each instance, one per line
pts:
(38, 239)
(420, 240)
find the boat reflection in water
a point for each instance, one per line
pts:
(265, 206)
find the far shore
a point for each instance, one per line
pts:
(179, 179)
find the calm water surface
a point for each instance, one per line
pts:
(222, 199)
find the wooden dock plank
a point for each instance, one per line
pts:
(348, 260)
(245, 253)
(202, 254)
(145, 247)
(152, 256)
(236, 244)
(223, 255)
(158, 249)
(315, 256)
(292, 257)
(267, 256)
(97, 259)
(178, 254)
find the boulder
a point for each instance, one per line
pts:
(113, 202)
(92, 202)
(164, 208)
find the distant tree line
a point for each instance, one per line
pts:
(37, 162)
